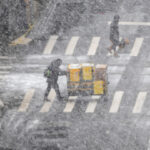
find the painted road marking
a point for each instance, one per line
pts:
(5, 67)
(71, 46)
(148, 145)
(47, 105)
(4, 72)
(94, 46)
(70, 104)
(139, 102)
(116, 101)
(6, 57)
(92, 105)
(133, 23)
(1, 103)
(2, 77)
(136, 47)
(50, 45)
(96, 97)
(26, 101)
(146, 71)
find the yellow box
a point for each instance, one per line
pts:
(99, 87)
(74, 72)
(87, 71)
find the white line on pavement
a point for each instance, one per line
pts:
(96, 97)
(146, 71)
(148, 145)
(47, 105)
(94, 46)
(73, 97)
(4, 72)
(139, 102)
(26, 100)
(5, 67)
(136, 47)
(116, 101)
(50, 45)
(71, 46)
(7, 57)
(92, 105)
(1, 103)
(133, 23)
(2, 77)
(70, 104)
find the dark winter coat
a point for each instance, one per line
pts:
(114, 32)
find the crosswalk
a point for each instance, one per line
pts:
(95, 42)
(115, 72)
(94, 101)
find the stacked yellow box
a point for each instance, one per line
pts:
(100, 79)
(87, 72)
(74, 78)
(74, 72)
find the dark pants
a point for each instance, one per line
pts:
(115, 43)
(52, 85)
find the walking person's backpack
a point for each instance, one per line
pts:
(48, 73)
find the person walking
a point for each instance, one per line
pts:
(114, 35)
(52, 73)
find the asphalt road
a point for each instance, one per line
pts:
(121, 122)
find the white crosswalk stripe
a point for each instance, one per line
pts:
(133, 23)
(6, 57)
(50, 45)
(92, 105)
(71, 46)
(94, 45)
(47, 105)
(136, 47)
(70, 104)
(116, 102)
(26, 101)
(139, 102)
(5, 67)
(148, 145)
(2, 77)
(4, 72)
(1, 103)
